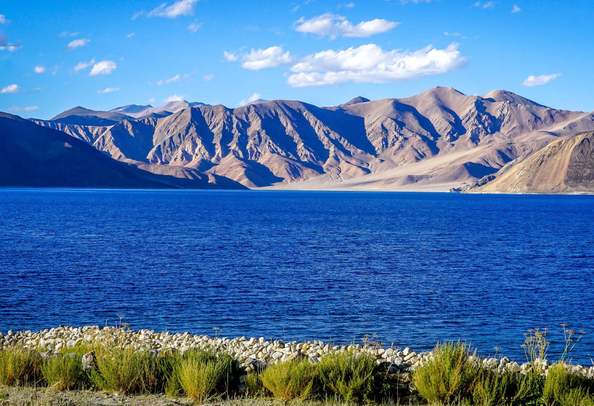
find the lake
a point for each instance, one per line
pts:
(413, 268)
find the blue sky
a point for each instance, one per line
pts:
(55, 55)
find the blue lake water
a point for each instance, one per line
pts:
(412, 268)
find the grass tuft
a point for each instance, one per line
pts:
(290, 380)
(349, 375)
(203, 375)
(131, 371)
(449, 376)
(63, 372)
(19, 367)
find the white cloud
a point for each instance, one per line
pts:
(264, 58)
(103, 68)
(3, 19)
(174, 97)
(533, 80)
(27, 108)
(208, 78)
(230, 56)
(516, 9)
(77, 43)
(10, 89)
(83, 65)
(338, 26)
(108, 90)
(251, 99)
(195, 26)
(168, 81)
(415, 1)
(370, 64)
(179, 8)
(39, 69)
(65, 34)
(151, 100)
(131, 35)
(4, 44)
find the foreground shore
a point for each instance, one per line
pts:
(94, 365)
(249, 352)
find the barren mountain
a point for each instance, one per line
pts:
(433, 141)
(31, 155)
(564, 166)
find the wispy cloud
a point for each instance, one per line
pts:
(168, 81)
(251, 99)
(208, 78)
(10, 47)
(414, 1)
(131, 35)
(179, 8)
(338, 26)
(11, 89)
(539, 80)
(27, 108)
(230, 56)
(174, 97)
(39, 69)
(486, 5)
(84, 65)
(258, 59)
(65, 34)
(77, 43)
(3, 19)
(103, 68)
(195, 26)
(108, 90)
(516, 9)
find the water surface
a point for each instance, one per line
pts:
(412, 268)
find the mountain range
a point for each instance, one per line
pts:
(435, 141)
(34, 156)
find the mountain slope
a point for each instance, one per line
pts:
(31, 155)
(564, 166)
(436, 140)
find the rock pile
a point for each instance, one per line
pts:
(252, 353)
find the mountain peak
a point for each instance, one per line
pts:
(443, 91)
(507, 96)
(356, 100)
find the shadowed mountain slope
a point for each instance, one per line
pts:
(31, 155)
(564, 166)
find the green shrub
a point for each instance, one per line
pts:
(525, 389)
(350, 376)
(131, 371)
(290, 380)
(63, 372)
(558, 383)
(576, 397)
(255, 387)
(491, 389)
(449, 376)
(19, 367)
(202, 375)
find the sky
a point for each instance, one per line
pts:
(55, 55)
